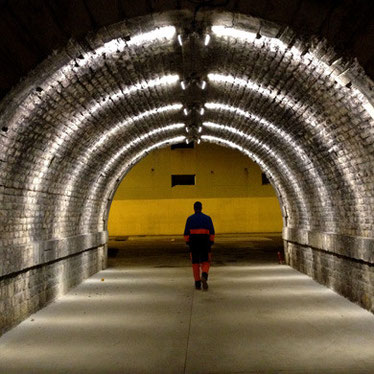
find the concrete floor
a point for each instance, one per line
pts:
(142, 315)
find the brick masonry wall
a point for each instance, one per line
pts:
(25, 292)
(349, 277)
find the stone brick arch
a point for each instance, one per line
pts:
(74, 127)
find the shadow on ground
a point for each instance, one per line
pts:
(171, 251)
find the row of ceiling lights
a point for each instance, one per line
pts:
(202, 84)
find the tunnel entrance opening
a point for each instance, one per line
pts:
(227, 182)
(89, 113)
(147, 216)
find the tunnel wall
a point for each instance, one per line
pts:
(168, 216)
(74, 127)
(340, 262)
(50, 270)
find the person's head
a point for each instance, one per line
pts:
(198, 207)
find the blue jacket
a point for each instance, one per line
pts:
(199, 230)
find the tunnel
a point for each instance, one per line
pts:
(82, 118)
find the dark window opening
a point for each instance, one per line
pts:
(183, 145)
(265, 179)
(182, 180)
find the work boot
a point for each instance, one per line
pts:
(204, 280)
(198, 285)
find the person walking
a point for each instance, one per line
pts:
(199, 236)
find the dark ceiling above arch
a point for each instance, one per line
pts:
(32, 29)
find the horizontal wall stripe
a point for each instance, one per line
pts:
(355, 247)
(21, 258)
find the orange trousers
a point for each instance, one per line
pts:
(204, 268)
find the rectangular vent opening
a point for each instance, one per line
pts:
(182, 180)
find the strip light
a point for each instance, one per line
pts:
(180, 41)
(227, 78)
(274, 44)
(242, 134)
(116, 128)
(254, 118)
(165, 80)
(162, 33)
(369, 108)
(139, 139)
(222, 31)
(177, 139)
(231, 144)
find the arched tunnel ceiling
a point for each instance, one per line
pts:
(75, 126)
(33, 29)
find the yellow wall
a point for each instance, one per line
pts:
(227, 183)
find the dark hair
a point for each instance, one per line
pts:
(198, 206)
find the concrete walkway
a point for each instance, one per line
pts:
(142, 315)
